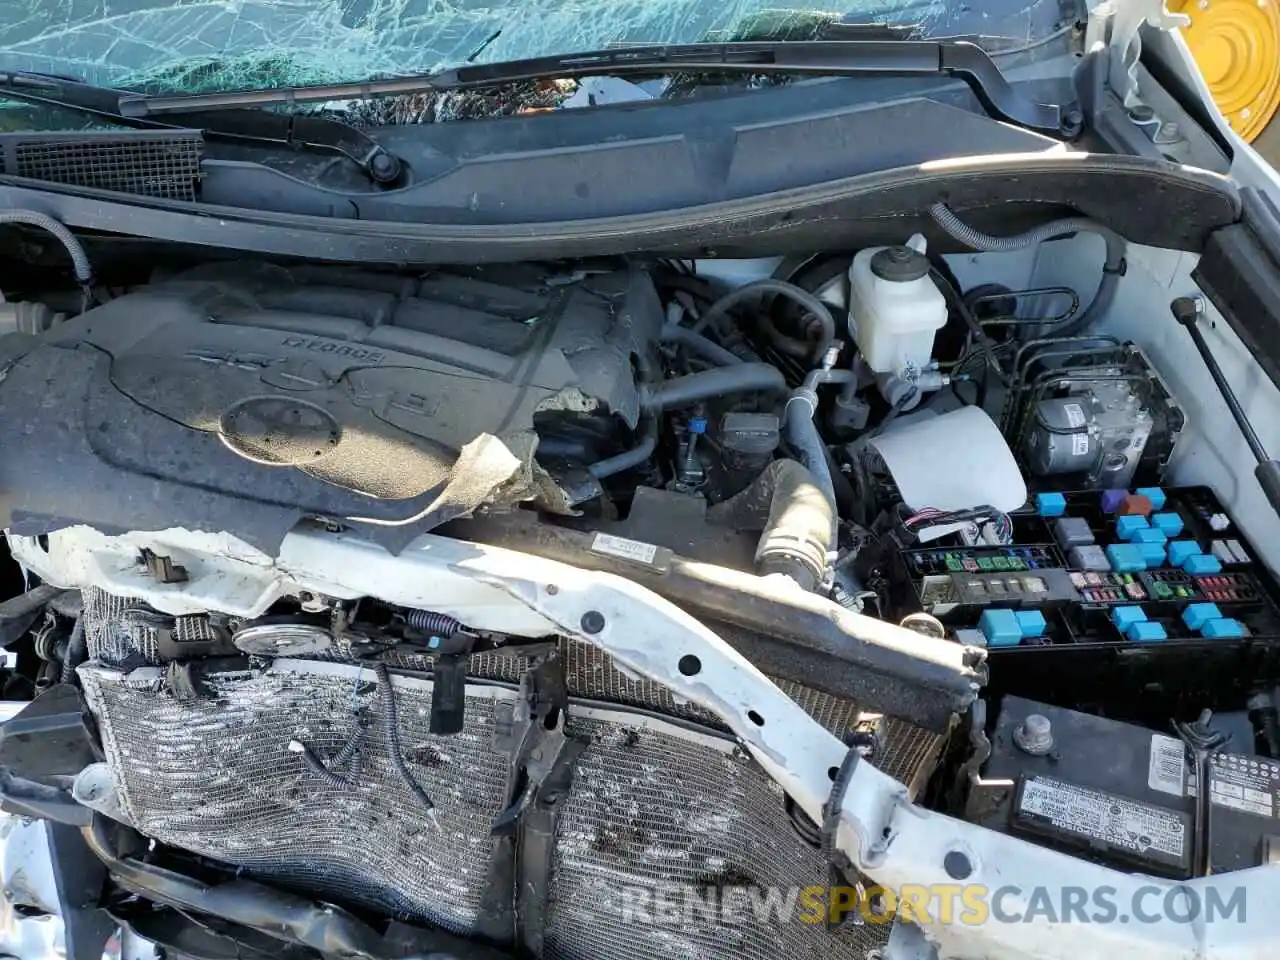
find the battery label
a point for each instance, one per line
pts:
(1248, 784)
(1167, 767)
(1097, 818)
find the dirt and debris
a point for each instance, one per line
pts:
(525, 97)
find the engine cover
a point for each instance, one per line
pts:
(240, 398)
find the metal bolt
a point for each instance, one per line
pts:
(592, 621)
(925, 624)
(1035, 735)
(1246, 113)
(1168, 133)
(1203, 5)
(552, 589)
(384, 167)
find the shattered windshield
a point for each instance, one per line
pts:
(199, 45)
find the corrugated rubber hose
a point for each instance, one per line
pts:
(1112, 269)
(988, 243)
(350, 757)
(33, 218)
(391, 730)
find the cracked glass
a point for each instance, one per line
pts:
(198, 45)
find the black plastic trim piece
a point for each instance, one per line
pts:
(78, 877)
(50, 740)
(1239, 272)
(1151, 202)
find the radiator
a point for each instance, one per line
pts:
(662, 799)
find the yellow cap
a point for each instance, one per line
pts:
(1236, 45)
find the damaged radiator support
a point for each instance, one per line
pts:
(840, 698)
(789, 635)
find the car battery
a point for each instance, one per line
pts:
(1110, 792)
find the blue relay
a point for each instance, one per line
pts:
(1000, 627)
(1051, 504)
(1126, 558)
(1196, 615)
(1154, 494)
(1145, 631)
(1125, 617)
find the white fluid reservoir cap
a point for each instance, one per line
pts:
(954, 461)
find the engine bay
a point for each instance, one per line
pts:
(946, 493)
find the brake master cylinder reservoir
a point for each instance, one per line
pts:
(895, 309)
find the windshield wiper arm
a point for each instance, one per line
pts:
(925, 58)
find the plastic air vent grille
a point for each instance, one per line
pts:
(151, 163)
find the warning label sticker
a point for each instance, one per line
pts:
(1097, 818)
(1248, 784)
(1167, 767)
(624, 549)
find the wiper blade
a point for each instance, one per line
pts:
(846, 58)
(229, 123)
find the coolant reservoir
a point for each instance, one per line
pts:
(894, 307)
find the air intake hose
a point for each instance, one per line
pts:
(796, 516)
